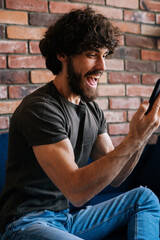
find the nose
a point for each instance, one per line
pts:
(101, 63)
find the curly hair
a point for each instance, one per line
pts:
(76, 32)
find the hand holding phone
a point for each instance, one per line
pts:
(154, 95)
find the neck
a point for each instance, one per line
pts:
(64, 89)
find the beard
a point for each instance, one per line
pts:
(76, 83)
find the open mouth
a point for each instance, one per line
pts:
(92, 80)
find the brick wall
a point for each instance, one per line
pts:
(130, 75)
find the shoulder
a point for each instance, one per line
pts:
(41, 104)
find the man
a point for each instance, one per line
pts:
(57, 128)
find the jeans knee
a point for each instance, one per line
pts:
(147, 199)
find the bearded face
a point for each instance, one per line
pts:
(83, 86)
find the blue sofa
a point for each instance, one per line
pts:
(3, 157)
(146, 173)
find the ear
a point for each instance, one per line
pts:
(61, 57)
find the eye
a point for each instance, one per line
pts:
(107, 54)
(91, 55)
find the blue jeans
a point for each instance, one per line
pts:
(139, 209)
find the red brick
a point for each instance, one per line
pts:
(150, 79)
(114, 64)
(116, 140)
(140, 41)
(124, 77)
(158, 18)
(112, 13)
(4, 122)
(19, 61)
(150, 55)
(139, 16)
(34, 47)
(9, 77)
(150, 30)
(2, 61)
(118, 129)
(103, 79)
(8, 106)
(20, 91)
(18, 32)
(89, 1)
(139, 66)
(124, 52)
(115, 116)
(149, 5)
(63, 7)
(124, 103)
(13, 17)
(42, 19)
(103, 103)
(3, 92)
(121, 40)
(111, 90)
(43, 76)
(13, 47)
(143, 91)
(29, 5)
(134, 4)
(128, 27)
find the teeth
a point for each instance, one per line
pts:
(95, 76)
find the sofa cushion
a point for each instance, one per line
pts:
(147, 170)
(3, 157)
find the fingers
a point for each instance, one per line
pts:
(142, 109)
(142, 126)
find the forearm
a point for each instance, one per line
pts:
(128, 168)
(97, 175)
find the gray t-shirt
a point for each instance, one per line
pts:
(44, 117)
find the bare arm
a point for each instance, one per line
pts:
(101, 150)
(81, 184)
(128, 168)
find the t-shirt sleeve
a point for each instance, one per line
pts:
(43, 123)
(100, 119)
(102, 123)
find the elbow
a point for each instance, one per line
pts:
(77, 200)
(116, 183)
(77, 196)
(77, 204)
(77, 192)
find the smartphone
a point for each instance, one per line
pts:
(154, 94)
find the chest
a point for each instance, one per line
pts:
(81, 127)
